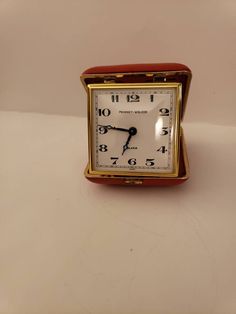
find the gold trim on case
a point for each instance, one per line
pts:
(108, 174)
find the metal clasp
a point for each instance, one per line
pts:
(134, 181)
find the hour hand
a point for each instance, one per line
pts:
(110, 127)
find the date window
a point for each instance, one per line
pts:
(133, 98)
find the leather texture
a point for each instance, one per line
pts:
(135, 68)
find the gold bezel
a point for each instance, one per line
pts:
(175, 156)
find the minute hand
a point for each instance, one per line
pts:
(126, 144)
(109, 127)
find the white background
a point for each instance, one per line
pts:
(70, 246)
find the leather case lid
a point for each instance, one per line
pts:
(135, 68)
(141, 73)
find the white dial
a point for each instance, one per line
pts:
(135, 129)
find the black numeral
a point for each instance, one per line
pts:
(133, 98)
(102, 130)
(151, 98)
(149, 162)
(164, 112)
(162, 149)
(114, 98)
(103, 148)
(104, 112)
(115, 160)
(132, 161)
(164, 131)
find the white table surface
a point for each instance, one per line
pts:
(70, 246)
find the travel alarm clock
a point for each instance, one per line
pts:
(134, 123)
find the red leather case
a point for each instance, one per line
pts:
(141, 73)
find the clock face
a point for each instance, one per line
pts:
(134, 129)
